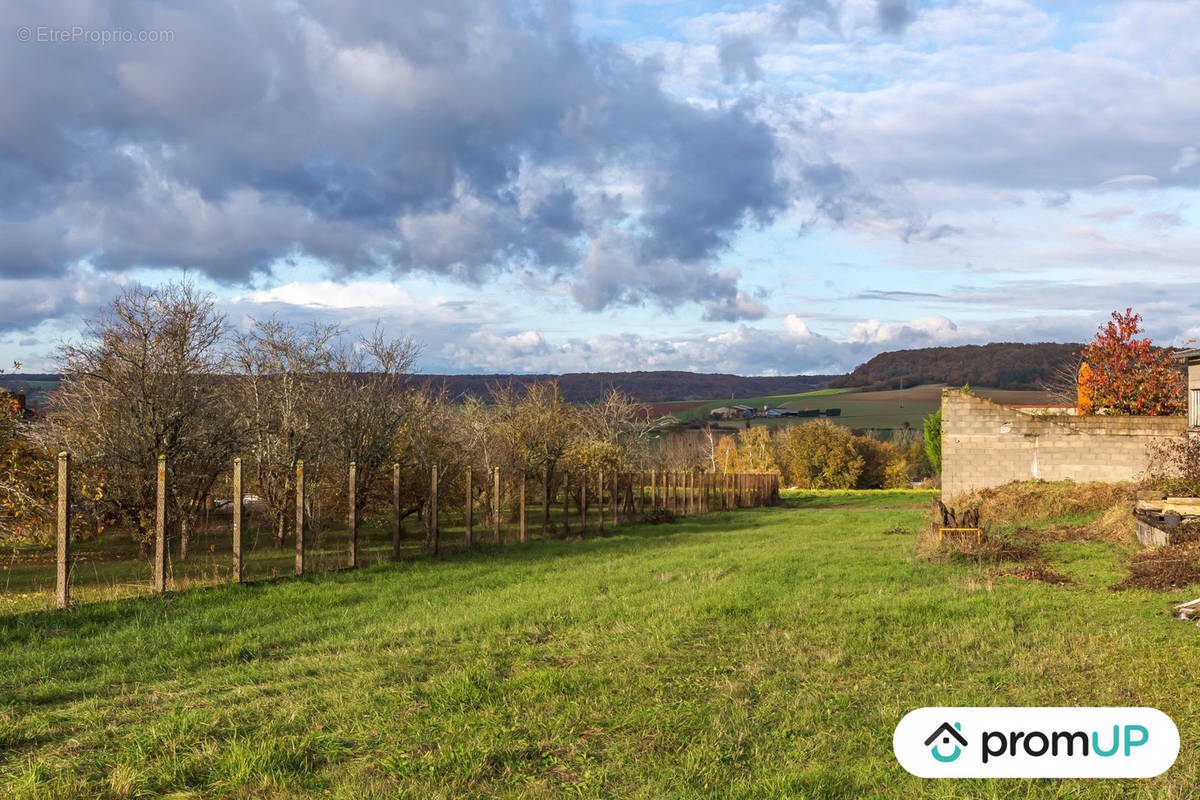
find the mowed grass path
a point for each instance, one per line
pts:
(762, 653)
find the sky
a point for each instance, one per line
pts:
(756, 188)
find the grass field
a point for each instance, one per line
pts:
(760, 653)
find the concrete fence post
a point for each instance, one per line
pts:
(395, 511)
(434, 533)
(469, 513)
(63, 577)
(300, 551)
(600, 501)
(616, 488)
(523, 533)
(352, 517)
(160, 526)
(237, 520)
(546, 503)
(566, 489)
(583, 503)
(496, 537)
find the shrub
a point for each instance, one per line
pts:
(819, 455)
(933, 440)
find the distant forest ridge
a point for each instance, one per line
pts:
(1001, 365)
(645, 387)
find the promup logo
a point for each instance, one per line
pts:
(1036, 742)
(946, 732)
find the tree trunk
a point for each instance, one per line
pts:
(280, 531)
(185, 538)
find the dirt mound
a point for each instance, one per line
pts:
(1170, 567)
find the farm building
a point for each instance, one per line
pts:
(732, 412)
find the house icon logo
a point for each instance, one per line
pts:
(946, 732)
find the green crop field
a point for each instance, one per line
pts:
(860, 410)
(759, 653)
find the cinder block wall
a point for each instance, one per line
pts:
(985, 444)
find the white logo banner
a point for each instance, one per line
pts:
(981, 742)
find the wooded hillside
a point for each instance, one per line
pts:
(646, 387)
(1001, 365)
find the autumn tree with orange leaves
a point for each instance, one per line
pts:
(1129, 376)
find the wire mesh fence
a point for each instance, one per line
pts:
(345, 520)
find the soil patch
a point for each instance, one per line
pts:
(1170, 567)
(1033, 572)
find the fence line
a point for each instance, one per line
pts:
(631, 496)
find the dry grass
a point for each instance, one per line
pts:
(1020, 518)
(1051, 502)
(991, 549)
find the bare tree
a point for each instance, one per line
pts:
(1063, 383)
(539, 426)
(144, 382)
(367, 396)
(282, 387)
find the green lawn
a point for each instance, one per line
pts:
(760, 653)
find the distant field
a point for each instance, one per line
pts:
(876, 410)
(35, 391)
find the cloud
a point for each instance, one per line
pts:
(741, 306)
(26, 302)
(894, 15)
(1188, 158)
(739, 58)
(462, 139)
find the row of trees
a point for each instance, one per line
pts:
(161, 372)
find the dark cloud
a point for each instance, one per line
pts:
(791, 12)
(1056, 199)
(739, 58)
(894, 15)
(891, 16)
(734, 309)
(461, 138)
(26, 302)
